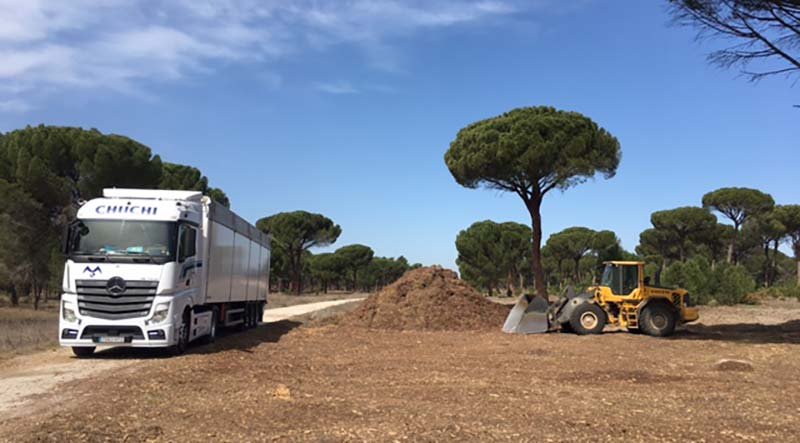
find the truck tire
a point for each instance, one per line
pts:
(211, 337)
(588, 318)
(182, 335)
(657, 319)
(83, 351)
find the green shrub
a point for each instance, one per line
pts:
(725, 284)
(731, 284)
(785, 291)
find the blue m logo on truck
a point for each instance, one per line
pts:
(92, 272)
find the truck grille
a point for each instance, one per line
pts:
(134, 300)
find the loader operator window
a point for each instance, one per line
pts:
(630, 279)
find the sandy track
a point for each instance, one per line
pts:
(29, 383)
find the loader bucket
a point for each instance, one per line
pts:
(528, 316)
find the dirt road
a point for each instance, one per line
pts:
(27, 381)
(331, 383)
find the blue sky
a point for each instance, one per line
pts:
(347, 107)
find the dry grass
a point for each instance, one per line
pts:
(24, 330)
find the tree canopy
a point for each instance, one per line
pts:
(355, 258)
(531, 151)
(53, 169)
(766, 33)
(183, 177)
(789, 217)
(686, 225)
(738, 204)
(490, 253)
(293, 233)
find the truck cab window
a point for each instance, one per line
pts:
(187, 243)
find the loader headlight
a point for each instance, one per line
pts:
(160, 313)
(68, 313)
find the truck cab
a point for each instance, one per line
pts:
(136, 272)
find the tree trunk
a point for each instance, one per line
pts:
(536, 247)
(732, 258)
(798, 272)
(773, 274)
(577, 271)
(14, 296)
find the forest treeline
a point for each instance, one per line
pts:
(45, 172)
(688, 247)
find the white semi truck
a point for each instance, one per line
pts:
(154, 268)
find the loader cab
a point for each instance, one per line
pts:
(623, 278)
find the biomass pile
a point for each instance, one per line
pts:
(428, 299)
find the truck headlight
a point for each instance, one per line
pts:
(68, 313)
(160, 313)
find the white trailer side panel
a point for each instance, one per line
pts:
(252, 271)
(241, 263)
(263, 274)
(219, 262)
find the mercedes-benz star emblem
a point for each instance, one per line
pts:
(115, 286)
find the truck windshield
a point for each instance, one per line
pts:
(124, 238)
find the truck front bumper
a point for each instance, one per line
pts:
(135, 332)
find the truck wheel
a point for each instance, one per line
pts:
(248, 316)
(211, 337)
(657, 319)
(588, 318)
(183, 335)
(259, 313)
(83, 351)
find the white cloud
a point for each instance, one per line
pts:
(123, 45)
(337, 88)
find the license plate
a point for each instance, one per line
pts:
(111, 339)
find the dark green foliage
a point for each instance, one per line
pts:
(52, 169)
(490, 254)
(293, 233)
(531, 151)
(189, 178)
(738, 204)
(724, 284)
(577, 254)
(382, 271)
(326, 268)
(354, 258)
(789, 217)
(684, 226)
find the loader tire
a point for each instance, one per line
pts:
(588, 318)
(657, 320)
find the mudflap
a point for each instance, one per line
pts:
(528, 316)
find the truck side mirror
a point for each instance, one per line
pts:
(69, 233)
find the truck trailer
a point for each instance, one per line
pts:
(159, 269)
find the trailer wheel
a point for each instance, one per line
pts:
(83, 351)
(657, 319)
(588, 318)
(248, 316)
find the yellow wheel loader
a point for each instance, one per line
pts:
(624, 298)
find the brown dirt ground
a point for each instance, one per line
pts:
(286, 382)
(428, 299)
